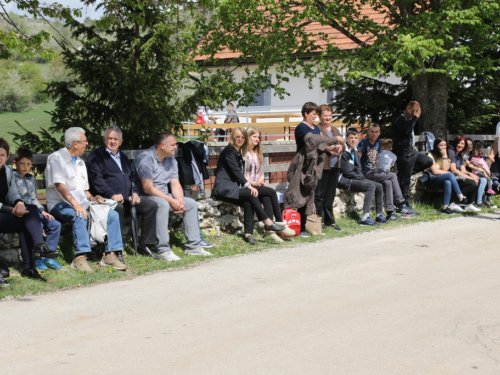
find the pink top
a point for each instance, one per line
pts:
(480, 163)
(253, 170)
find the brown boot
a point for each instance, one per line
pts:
(80, 264)
(110, 259)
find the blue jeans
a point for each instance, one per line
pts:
(65, 212)
(52, 230)
(448, 182)
(480, 190)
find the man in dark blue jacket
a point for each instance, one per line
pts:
(110, 175)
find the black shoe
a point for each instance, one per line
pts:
(447, 211)
(274, 227)
(250, 240)
(43, 251)
(119, 255)
(463, 202)
(4, 268)
(145, 250)
(32, 274)
(335, 226)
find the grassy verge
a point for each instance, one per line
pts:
(224, 246)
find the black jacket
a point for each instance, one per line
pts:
(402, 129)
(349, 170)
(229, 175)
(105, 177)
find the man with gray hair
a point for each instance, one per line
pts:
(110, 176)
(68, 198)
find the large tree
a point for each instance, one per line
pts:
(427, 43)
(136, 68)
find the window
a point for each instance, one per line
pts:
(263, 97)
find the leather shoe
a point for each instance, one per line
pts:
(145, 250)
(335, 226)
(43, 251)
(32, 273)
(250, 240)
(274, 227)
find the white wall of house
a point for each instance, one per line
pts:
(298, 90)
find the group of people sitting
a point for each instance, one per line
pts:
(366, 166)
(324, 161)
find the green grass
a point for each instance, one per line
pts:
(32, 120)
(225, 246)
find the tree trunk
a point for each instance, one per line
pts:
(431, 91)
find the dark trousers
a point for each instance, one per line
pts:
(250, 206)
(147, 208)
(325, 195)
(469, 189)
(269, 199)
(370, 188)
(408, 165)
(29, 228)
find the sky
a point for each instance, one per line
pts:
(86, 11)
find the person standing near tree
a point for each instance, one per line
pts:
(409, 160)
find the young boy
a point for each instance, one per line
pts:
(26, 185)
(386, 158)
(353, 179)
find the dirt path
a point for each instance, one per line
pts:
(423, 299)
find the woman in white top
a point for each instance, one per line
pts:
(255, 175)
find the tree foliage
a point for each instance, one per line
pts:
(429, 44)
(15, 39)
(136, 68)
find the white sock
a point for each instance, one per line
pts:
(366, 216)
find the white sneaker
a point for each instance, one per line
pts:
(199, 251)
(472, 208)
(169, 256)
(456, 208)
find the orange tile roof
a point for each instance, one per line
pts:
(318, 33)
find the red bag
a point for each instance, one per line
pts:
(292, 218)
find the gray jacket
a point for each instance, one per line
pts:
(13, 194)
(26, 186)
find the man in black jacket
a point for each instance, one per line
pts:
(353, 179)
(409, 160)
(110, 175)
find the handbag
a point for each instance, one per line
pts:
(426, 177)
(314, 224)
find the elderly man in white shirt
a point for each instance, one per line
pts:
(68, 198)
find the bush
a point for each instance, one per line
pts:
(15, 95)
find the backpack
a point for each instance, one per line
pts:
(186, 176)
(292, 218)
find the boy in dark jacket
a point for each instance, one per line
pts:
(353, 179)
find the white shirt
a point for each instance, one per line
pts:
(61, 169)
